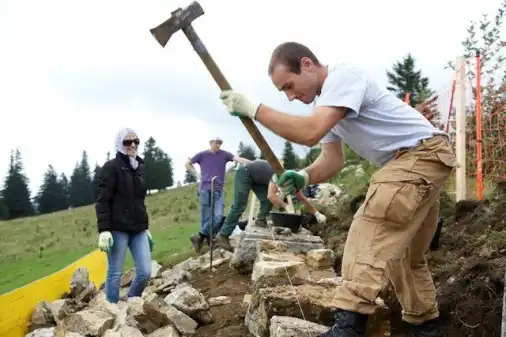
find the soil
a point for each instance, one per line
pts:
(468, 269)
(228, 318)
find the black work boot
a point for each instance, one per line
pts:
(197, 241)
(223, 242)
(261, 222)
(426, 329)
(348, 324)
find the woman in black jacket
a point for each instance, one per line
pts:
(122, 218)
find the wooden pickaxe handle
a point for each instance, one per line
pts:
(222, 82)
(224, 85)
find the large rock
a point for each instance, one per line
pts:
(320, 258)
(164, 314)
(42, 332)
(167, 331)
(42, 317)
(189, 300)
(283, 326)
(284, 300)
(247, 248)
(91, 322)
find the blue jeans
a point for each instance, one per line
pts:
(205, 211)
(139, 248)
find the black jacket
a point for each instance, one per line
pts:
(121, 194)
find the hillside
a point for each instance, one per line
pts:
(31, 248)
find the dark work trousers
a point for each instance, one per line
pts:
(243, 184)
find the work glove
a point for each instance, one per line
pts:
(291, 181)
(238, 104)
(150, 240)
(105, 241)
(320, 217)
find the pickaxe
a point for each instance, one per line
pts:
(182, 19)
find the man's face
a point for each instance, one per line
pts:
(303, 87)
(215, 145)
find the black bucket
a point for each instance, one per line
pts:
(287, 220)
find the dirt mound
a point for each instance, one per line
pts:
(468, 269)
(228, 318)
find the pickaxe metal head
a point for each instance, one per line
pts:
(179, 19)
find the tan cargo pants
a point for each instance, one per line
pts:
(392, 230)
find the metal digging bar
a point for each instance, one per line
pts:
(211, 235)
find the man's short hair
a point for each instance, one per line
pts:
(289, 54)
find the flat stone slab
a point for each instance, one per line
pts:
(247, 247)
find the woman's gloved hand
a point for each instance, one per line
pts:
(105, 241)
(320, 217)
(150, 239)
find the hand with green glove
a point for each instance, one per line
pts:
(150, 239)
(238, 104)
(291, 181)
(105, 241)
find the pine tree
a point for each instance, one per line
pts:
(246, 151)
(189, 177)
(158, 166)
(96, 175)
(81, 186)
(290, 159)
(311, 156)
(16, 195)
(404, 78)
(52, 195)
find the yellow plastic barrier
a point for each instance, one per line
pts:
(17, 306)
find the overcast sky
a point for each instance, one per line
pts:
(73, 72)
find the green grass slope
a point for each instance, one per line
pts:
(31, 248)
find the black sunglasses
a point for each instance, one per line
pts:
(128, 142)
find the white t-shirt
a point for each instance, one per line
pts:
(377, 123)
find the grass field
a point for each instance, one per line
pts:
(31, 248)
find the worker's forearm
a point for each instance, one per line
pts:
(296, 129)
(306, 203)
(321, 170)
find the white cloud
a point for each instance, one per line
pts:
(55, 52)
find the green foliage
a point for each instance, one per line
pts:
(246, 151)
(158, 166)
(262, 155)
(81, 189)
(290, 160)
(189, 177)
(310, 157)
(52, 194)
(484, 36)
(96, 176)
(404, 78)
(16, 195)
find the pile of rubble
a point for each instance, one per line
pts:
(169, 306)
(293, 293)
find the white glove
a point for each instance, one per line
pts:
(320, 217)
(238, 104)
(105, 241)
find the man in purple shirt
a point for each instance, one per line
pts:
(212, 163)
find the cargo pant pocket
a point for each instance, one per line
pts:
(366, 277)
(394, 201)
(447, 159)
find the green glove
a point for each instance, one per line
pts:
(292, 181)
(150, 239)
